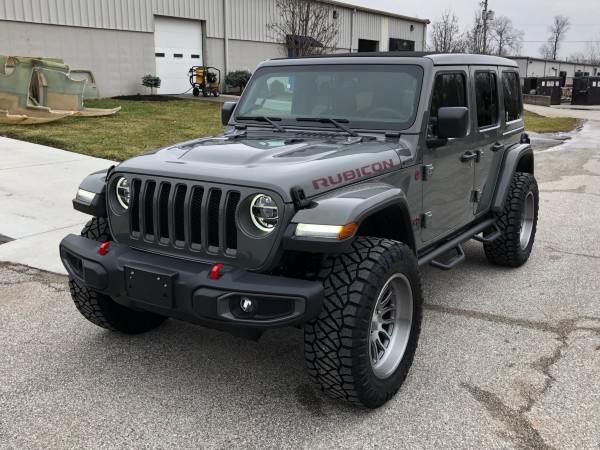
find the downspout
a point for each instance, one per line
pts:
(424, 42)
(352, 30)
(225, 42)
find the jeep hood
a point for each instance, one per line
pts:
(273, 162)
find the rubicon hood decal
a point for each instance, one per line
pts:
(353, 174)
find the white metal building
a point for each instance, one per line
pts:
(537, 67)
(122, 40)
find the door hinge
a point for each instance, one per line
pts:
(426, 219)
(476, 196)
(427, 172)
(479, 156)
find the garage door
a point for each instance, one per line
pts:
(178, 44)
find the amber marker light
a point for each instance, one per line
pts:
(326, 231)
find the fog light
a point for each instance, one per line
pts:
(246, 304)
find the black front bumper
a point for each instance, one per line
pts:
(184, 290)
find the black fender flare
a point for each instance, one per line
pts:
(94, 183)
(345, 206)
(518, 158)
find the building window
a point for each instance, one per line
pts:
(177, 55)
(365, 45)
(512, 98)
(195, 56)
(486, 93)
(159, 55)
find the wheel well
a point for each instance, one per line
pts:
(389, 223)
(525, 164)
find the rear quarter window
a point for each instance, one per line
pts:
(513, 106)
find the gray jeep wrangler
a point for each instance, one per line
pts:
(336, 179)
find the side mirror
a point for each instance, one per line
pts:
(452, 122)
(227, 111)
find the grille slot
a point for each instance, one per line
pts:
(149, 208)
(135, 206)
(179, 215)
(214, 200)
(230, 224)
(196, 215)
(163, 210)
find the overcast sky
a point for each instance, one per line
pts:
(531, 16)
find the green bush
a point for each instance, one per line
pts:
(151, 81)
(238, 79)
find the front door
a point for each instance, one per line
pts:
(448, 180)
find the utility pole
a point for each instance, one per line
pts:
(487, 15)
(485, 12)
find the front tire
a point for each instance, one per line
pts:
(101, 309)
(517, 223)
(362, 345)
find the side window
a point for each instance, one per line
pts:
(448, 90)
(486, 94)
(513, 108)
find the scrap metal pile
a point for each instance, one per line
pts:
(38, 90)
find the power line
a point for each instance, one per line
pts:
(568, 42)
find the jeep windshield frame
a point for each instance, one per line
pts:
(377, 97)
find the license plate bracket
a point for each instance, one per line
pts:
(150, 286)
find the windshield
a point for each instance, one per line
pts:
(379, 97)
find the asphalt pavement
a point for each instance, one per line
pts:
(509, 358)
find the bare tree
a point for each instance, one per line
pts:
(506, 39)
(577, 57)
(474, 35)
(445, 34)
(305, 27)
(557, 30)
(592, 50)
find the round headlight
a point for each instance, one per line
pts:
(123, 192)
(264, 212)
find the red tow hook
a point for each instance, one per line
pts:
(214, 272)
(103, 248)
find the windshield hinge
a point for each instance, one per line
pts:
(393, 136)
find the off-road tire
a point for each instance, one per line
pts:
(336, 344)
(507, 250)
(102, 310)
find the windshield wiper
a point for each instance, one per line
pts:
(269, 120)
(336, 122)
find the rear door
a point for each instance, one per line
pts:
(449, 180)
(489, 139)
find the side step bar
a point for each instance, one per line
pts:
(455, 244)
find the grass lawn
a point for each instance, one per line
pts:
(541, 124)
(142, 125)
(139, 126)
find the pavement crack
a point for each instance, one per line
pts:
(525, 436)
(496, 318)
(550, 246)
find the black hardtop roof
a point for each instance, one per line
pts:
(441, 59)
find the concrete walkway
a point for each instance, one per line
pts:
(37, 185)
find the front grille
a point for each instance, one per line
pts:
(184, 216)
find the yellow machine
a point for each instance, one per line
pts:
(204, 80)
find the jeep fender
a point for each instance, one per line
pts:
(518, 158)
(345, 206)
(96, 184)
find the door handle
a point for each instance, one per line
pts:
(468, 157)
(497, 146)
